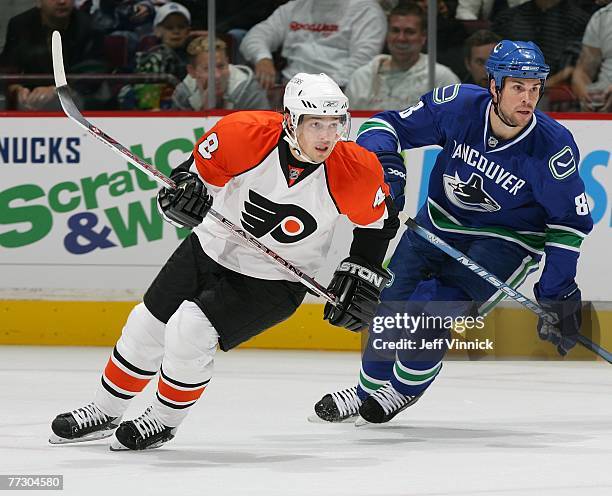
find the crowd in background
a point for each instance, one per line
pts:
(154, 54)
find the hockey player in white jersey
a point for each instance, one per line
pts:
(286, 179)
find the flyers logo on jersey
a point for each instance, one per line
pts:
(286, 223)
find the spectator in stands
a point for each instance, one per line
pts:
(472, 10)
(331, 36)
(28, 50)
(235, 85)
(398, 80)
(477, 49)
(172, 25)
(592, 79)
(556, 26)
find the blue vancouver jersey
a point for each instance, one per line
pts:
(526, 190)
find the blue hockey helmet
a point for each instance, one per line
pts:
(519, 59)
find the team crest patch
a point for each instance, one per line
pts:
(286, 223)
(469, 195)
(562, 164)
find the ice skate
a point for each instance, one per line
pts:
(83, 424)
(142, 433)
(382, 405)
(341, 406)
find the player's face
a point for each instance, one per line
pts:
(519, 98)
(317, 135)
(476, 64)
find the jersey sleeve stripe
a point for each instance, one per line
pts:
(374, 123)
(558, 227)
(563, 238)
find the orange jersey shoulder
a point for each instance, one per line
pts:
(356, 183)
(236, 143)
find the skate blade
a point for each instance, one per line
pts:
(315, 419)
(55, 439)
(361, 422)
(117, 446)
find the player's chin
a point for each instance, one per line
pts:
(321, 152)
(523, 116)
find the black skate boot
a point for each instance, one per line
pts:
(340, 406)
(83, 424)
(384, 404)
(144, 432)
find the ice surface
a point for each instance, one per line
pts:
(484, 428)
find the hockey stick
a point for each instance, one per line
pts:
(71, 110)
(502, 286)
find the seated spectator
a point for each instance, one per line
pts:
(398, 80)
(556, 26)
(477, 49)
(172, 25)
(595, 62)
(331, 36)
(28, 50)
(472, 10)
(235, 85)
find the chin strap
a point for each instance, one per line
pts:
(496, 109)
(291, 139)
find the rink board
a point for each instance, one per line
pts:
(86, 323)
(80, 237)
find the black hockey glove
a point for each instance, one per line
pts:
(568, 309)
(395, 176)
(357, 286)
(186, 205)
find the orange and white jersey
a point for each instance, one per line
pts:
(242, 164)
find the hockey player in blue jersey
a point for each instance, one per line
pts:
(505, 190)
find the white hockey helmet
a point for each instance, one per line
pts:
(314, 94)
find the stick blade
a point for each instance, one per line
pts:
(58, 59)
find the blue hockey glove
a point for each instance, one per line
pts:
(568, 308)
(186, 205)
(395, 176)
